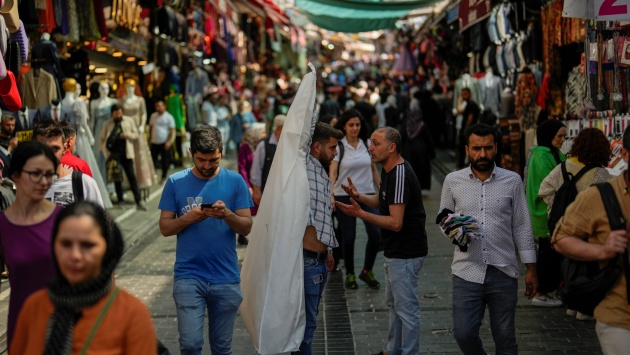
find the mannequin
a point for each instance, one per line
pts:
(135, 107)
(75, 111)
(38, 88)
(100, 112)
(491, 87)
(196, 83)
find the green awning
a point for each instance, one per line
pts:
(352, 16)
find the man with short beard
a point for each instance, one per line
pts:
(7, 128)
(487, 273)
(319, 237)
(206, 206)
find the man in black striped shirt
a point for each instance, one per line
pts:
(402, 219)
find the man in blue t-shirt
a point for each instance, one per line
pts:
(206, 207)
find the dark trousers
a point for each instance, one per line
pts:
(165, 154)
(127, 165)
(548, 266)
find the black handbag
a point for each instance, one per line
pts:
(585, 284)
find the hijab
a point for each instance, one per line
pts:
(545, 134)
(69, 300)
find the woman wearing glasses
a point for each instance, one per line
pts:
(25, 226)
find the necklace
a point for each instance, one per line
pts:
(600, 58)
(616, 95)
(588, 101)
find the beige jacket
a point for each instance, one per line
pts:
(38, 92)
(128, 127)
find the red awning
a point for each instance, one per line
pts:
(227, 8)
(273, 11)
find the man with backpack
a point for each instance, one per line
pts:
(69, 186)
(586, 233)
(263, 157)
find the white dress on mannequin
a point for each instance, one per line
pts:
(100, 112)
(134, 107)
(75, 111)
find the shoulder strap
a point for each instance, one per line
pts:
(583, 171)
(617, 221)
(99, 320)
(77, 185)
(565, 174)
(341, 150)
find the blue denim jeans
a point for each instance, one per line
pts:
(499, 292)
(315, 275)
(401, 281)
(192, 297)
(348, 226)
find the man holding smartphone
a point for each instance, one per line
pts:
(206, 264)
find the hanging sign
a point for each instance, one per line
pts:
(473, 11)
(601, 10)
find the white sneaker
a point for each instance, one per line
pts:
(583, 317)
(571, 312)
(546, 301)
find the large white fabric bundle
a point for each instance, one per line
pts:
(272, 277)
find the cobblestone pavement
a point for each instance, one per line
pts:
(350, 321)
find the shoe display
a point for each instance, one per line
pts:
(368, 278)
(546, 301)
(351, 282)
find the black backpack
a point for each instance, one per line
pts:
(565, 195)
(77, 186)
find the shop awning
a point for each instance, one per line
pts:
(354, 16)
(601, 10)
(273, 11)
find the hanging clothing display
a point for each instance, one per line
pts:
(38, 90)
(575, 91)
(467, 81)
(491, 88)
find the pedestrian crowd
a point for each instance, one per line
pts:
(368, 157)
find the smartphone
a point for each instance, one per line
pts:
(206, 205)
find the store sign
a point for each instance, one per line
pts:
(473, 11)
(601, 10)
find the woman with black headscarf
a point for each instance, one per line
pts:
(82, 310)
(417, 145)
(544, 158)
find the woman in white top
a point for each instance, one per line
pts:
(355, 162)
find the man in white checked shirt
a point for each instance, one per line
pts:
(487, 273)
(319, 238)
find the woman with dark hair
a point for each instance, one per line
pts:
(355, 162)
(25, 226)
(81, 311)
(544, 158)
(590, 148)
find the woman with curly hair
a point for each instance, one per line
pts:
(590, 148)
(544, 158)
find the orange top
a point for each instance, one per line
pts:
(127, 327)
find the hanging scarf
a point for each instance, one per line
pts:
(528, 115)
(69, 300)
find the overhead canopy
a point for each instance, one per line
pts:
(352, 16)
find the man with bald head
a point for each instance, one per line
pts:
(402, 219)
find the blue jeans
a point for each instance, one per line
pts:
(348, 226)
(192, 297)
(401, 281)
(315, 275)
(499, 292)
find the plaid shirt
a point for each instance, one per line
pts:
(321, 209)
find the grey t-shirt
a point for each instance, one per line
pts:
(61, 191)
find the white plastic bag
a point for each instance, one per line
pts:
(272, 277)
